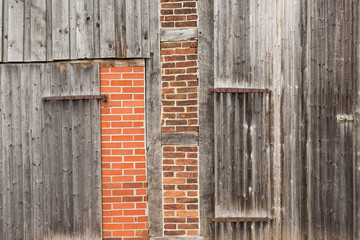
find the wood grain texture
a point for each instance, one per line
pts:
(153, 125)
(50, 166)
(47, 30)
(206, 116)
(307, 53)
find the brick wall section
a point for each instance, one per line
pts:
(179, 61)
(123, 154)
(179, 86)
(178, 13)
(180, 189)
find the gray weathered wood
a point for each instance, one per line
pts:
(84, 28)
(38, 30)
(50, 166)
(153, 126)
(206, 123)
(61, 29)
(15, 35)
(107, 29)
(179, 34)
(47, 30)
(182, 139)
(133, 27)
(1, 28)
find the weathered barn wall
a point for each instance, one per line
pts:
(50, 163)
(318, 151)
(47, 30)
(306, 53)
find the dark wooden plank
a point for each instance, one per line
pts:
(120, 28)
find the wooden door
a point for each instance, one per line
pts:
(50, 166)
(243, 191)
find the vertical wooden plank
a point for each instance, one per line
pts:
(153, 127)
(107, 29)
(2, 165)
(84, 29)
(96, 22)
(96, 195)
(1, 29)
(15, 31)
(27, 31)
(49, 31)
(56, 158)
(206, 147)
(16, 157)
(5, 28)
(133, 28)
(26, 150)
(46, 155)
(77, 161)
(66, 121)
(6, 107)
(73, 29)
(145, 33)
(120, 28)
(38, 38)
(276, 119)
(60, 29)
(356, 112)
(37, 76)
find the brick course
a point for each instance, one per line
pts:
(178, 13)
(123, 153)
(179, 86)
(180, 190)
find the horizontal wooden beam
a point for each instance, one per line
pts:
(178, 34)
(78, 97)
(239, 90)
(180, 139)
(242, 219)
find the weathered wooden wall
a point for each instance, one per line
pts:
(242, 164)
(306, 52)
(50, 162)
(243, 36)
(242, 156)
(47, 30)
(318, 63)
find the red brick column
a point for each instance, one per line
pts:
(181, 204)
(123, 153)
(180, 115)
